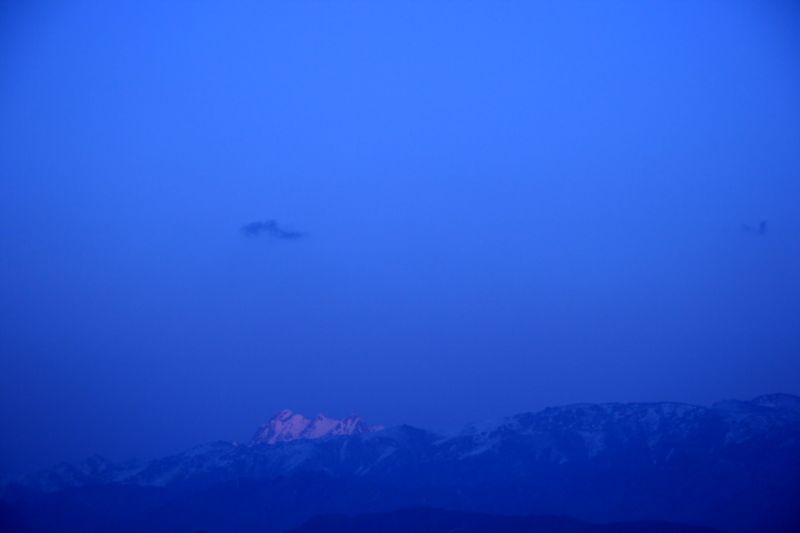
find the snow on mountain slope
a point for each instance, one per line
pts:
(288, 426)
(602, 462)
(658, 434)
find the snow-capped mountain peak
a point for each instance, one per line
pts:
(288, 426)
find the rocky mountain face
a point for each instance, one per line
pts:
(288, 426)
(734, 466)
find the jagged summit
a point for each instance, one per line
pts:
(288, 426)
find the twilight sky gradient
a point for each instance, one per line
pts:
(504, 205)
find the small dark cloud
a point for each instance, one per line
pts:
(758, 229)
(271, 228)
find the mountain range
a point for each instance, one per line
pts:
(734, 466)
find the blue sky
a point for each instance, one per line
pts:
(504, 206)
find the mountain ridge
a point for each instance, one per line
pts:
(290, 447)
(288, 426)
(734, 465)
